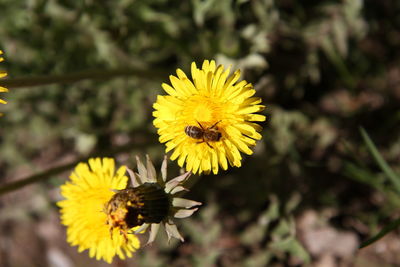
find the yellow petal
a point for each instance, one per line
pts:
(168, 89)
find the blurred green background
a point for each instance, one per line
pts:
(309, 195)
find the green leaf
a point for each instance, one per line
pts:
(395, 179)
(393, 225)
(364, 176)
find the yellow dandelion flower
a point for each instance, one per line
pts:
(90, 188)
(209, 121)
(2, 74)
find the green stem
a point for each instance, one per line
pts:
(44, 175)
(79, 76)
(393, 225)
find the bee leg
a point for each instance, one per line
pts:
(209, 145)
(200, 125)
(125, 235)
(111, 232)
(215, 124)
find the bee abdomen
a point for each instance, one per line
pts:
(194, 132)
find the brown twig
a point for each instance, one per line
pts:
(46, 174)
(78, 76)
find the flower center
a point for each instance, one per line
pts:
(202, 109)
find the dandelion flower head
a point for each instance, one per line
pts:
(90, 188)
(152, 201)
(2, 75)
(209, 120)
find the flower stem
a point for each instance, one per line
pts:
(46, 174)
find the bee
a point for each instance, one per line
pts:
(132, 207)
(210, 134)
(123, 211)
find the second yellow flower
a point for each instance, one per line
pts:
(207, 122)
